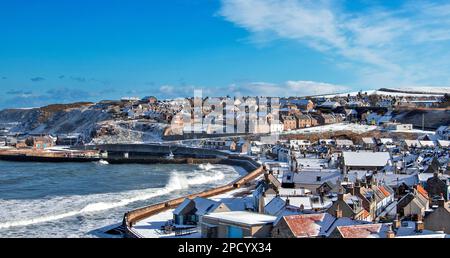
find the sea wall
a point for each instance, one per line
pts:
(156, 150)
(253, 168)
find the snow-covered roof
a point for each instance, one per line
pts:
(182, 206)
(368, 140)
(309, 225)
(386, 140)
(364, 231)
(311, 177)
(274, 206)
(329, 103)
(408, 230)
(411, 143)
(444, 143)
(293, 191)
(242, 217)
(443, 128)
(393, 180)
(299, 201)
(326, 141)
(366, 159)
(299, 101)
(344, 142)
(427, 143)
(202, 205)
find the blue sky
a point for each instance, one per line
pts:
(64, 51)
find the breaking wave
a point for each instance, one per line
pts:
(177, 181)
(206, 166)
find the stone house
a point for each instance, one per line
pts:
(439, 219)
(412, 205)
(367, 197)
(438, 185)
(324, 119)
(289, 122)
(304, 104)
(304, 120)
(350, 206)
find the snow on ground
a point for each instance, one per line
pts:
(131, 133)
(425, 90)
(150, 227)
(406, 92)
(356, 128)
(416, 131)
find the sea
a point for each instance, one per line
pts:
(60, 200)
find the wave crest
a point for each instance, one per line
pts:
(177, 181)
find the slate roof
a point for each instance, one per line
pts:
(202, 205)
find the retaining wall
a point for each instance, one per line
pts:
(253, 168)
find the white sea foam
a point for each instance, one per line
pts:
(32, 212)
(206, 166)
(102, 162)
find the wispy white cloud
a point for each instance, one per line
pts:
(266, 89)
(408, 45)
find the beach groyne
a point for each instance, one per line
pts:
(253, 168)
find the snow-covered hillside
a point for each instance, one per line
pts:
(86, 120)
(398, 92)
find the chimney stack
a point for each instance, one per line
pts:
(419, 224)
(341, 194)
(357, 187)
(338, 212)
(441, 201)
(390, 233)
(266, 178)
(396, 224)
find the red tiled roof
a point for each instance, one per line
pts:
(422, 191)
(359, 231)
(305, 225)
(365, 214)
(384, 191)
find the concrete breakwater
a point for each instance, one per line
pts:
(30, 158)
(136, 151)
(253, 168)
(117, 154)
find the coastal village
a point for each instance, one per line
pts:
(357, 165)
